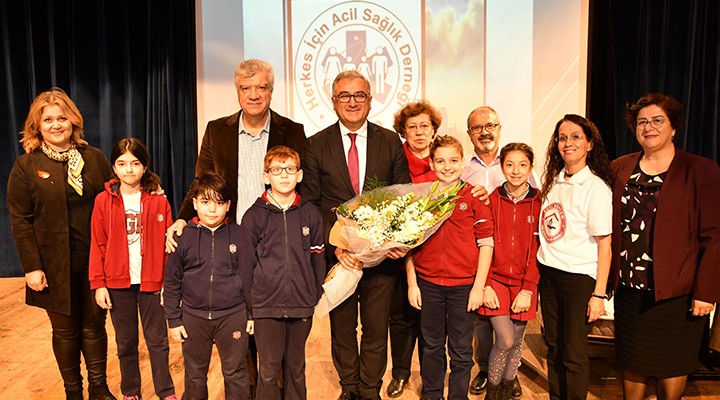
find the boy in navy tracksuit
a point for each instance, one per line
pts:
(206, 275)
(282, 243)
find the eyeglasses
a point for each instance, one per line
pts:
(422, 127)
(575, 137)
(291, 170)
(359, 97)
(655, 122)
(478, 129)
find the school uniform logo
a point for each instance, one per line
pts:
(232, 248)
(553, 222)
(133, 227)
(305, 230)
(160, 217)
(463, 206)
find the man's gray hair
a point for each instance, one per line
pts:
(249, 68)
(351, 74)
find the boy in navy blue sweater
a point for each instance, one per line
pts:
(282, 243)
(206, 275)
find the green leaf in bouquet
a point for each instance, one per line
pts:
(373, 183)
(442, 201)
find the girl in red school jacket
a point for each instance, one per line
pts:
(511, 288)
(127, 263)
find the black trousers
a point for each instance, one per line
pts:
(361, 369)
(445, 319)
(124, 316)
(81, 332)
(404, 329)
(564, 298)
(281, 346)
(231, 339)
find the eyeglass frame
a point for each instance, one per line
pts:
(424, 126)
(574, 138)
(656, 122)
(280, 170)
(364, 96)
(489, 127)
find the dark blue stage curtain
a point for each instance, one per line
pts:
(129, 66)
(642, 46)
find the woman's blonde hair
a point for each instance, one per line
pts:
(31, 136)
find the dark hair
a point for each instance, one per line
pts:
(597, 159)
(281, 153)
(413, 110)
(210, 186)
(150, 181)
(445, 141)
(672, 108)
(510, 147)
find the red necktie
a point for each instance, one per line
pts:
(353, 164)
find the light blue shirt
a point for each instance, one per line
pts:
(476, 172)
(251, 156)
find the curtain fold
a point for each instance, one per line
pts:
(128, 65)
(642, 46)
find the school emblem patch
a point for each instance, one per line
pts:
(553, 222)
(463, 206)
(160, 218)
(305, 230)
(237, 335)
(232, 248)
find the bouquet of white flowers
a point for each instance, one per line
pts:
(374, 223)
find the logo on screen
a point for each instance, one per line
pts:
(360, 36)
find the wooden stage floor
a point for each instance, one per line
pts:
(28, 369)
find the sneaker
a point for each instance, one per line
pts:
(132, 398)
(171, 397)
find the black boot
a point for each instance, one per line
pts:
(101, 392)
(66, 345)
(94, 348)
(516, 391)
(493, 391)
(74, 395)
(505, 390)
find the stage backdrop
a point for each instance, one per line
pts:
(525, 58)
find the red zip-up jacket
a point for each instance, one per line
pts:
(450, 256)
(109, 258)
(516, 240)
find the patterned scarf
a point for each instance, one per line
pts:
(75, 164)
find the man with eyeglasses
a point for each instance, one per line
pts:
(337, 162)
(234, 147)
(483, 168)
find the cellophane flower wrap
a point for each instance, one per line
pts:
(372, 224)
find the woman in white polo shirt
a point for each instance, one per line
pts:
(574, 254)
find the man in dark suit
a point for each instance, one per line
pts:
(336, 162)
(234, 147)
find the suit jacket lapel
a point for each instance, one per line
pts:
(229, 150)
(337, 154)
(277, 130)
(372, 154)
